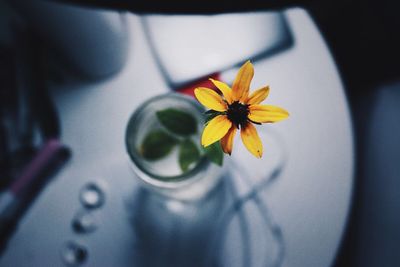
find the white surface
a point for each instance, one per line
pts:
(213, 43)
(310, 200)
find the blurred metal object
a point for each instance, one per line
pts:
(92, 196)
(189, 47)
(74, 253)
(84, 222)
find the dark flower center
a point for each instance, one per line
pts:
(237, 113)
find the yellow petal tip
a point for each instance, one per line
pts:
(257, 154)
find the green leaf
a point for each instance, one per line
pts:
(188, 154)
(214, 153)
(157, 144)
(211, 114)
(177, 121)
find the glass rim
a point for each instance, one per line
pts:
(136, 160)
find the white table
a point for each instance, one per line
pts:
(310, 201)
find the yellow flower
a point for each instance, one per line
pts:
(236, 109)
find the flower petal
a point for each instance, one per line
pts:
(251, 140)
(258, 96)
(241, 85)
(210, 99)
(227, 140)
(224, 88)
(267, 113)
(215, 130)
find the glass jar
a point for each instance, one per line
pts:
(164, 175)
